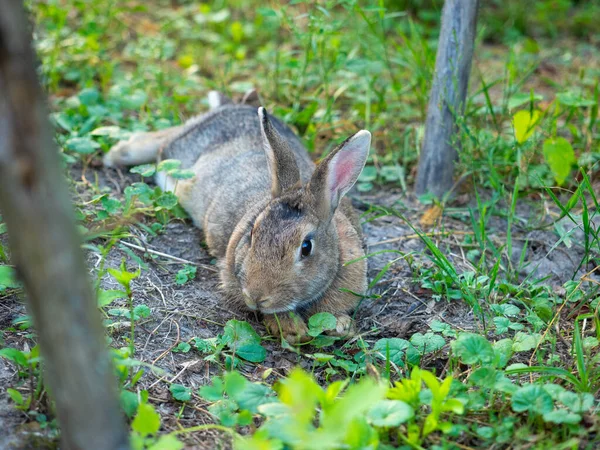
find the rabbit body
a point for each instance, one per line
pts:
(280, 229)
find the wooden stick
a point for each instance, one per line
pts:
(165, 255)
(448, 97)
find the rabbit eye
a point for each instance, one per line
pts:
(306, 248)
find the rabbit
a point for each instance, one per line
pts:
(281, 229)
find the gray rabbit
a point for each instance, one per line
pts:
(279, 227)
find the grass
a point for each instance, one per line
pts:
(521, 371)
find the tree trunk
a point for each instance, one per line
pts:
(448, 95)
(45, 248)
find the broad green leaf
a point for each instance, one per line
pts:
(225, 411)
(254, 395)
(357, 400)
(361, 435)
(214, 391)
(105, 298)
(506, 309)
(111, 205)
(390, 413)
(369, 173)
(186, 274)
(430, 425)
(322, 357)
(14, 355)
(428, 342)
(524, 342)
(392, 173)
(396, 347)
(554, 390)
(15, 395)
(473, 349)
(141, 312)
(146, 421)
(533, 398)
(345, 364)
(321, 322)
(135, 100)
(562, 416)
(503, 351)
(334, 389)
(574, 99)
(205, 345)
(560, 157)
(301, 392)
(485, 432)
(364, 187)
(484, 377)
(82, 145)
(238, 333)
(166, 200)
(145, 170)
(234, 383)
(112, 131)
(501, 324)
(454, 405)
(179, 174)
(140, 190)
(274, 409)
(166, 442)
(578, 403)
(129, 402)
(524, 123)
(520, 98)
(438, 326)
(167, 165)
(252, 352)
(8, 278)
(180, 392)
(89, 96)
(261, 440)
(182, 347)
(123, 276)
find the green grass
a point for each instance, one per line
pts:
(526, 375)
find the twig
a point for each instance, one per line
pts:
(416, 236)
(165, 255)
(171, 347)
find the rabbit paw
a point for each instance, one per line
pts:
(344, 327)
(293, 328)
(120, 153)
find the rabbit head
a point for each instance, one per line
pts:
(284, 255)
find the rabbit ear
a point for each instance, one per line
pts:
(338, 172)
(217, 99)
(281, 161)
(251, 98)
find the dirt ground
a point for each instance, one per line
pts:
(195, 309)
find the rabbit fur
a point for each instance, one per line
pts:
(280, 228)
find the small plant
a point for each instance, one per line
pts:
(145, 427)
(238, 342)
(188, 273)
(124, 278)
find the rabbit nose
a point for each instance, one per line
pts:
(256, 300)
(250, 302)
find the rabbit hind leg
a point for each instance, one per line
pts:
(140, 148)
